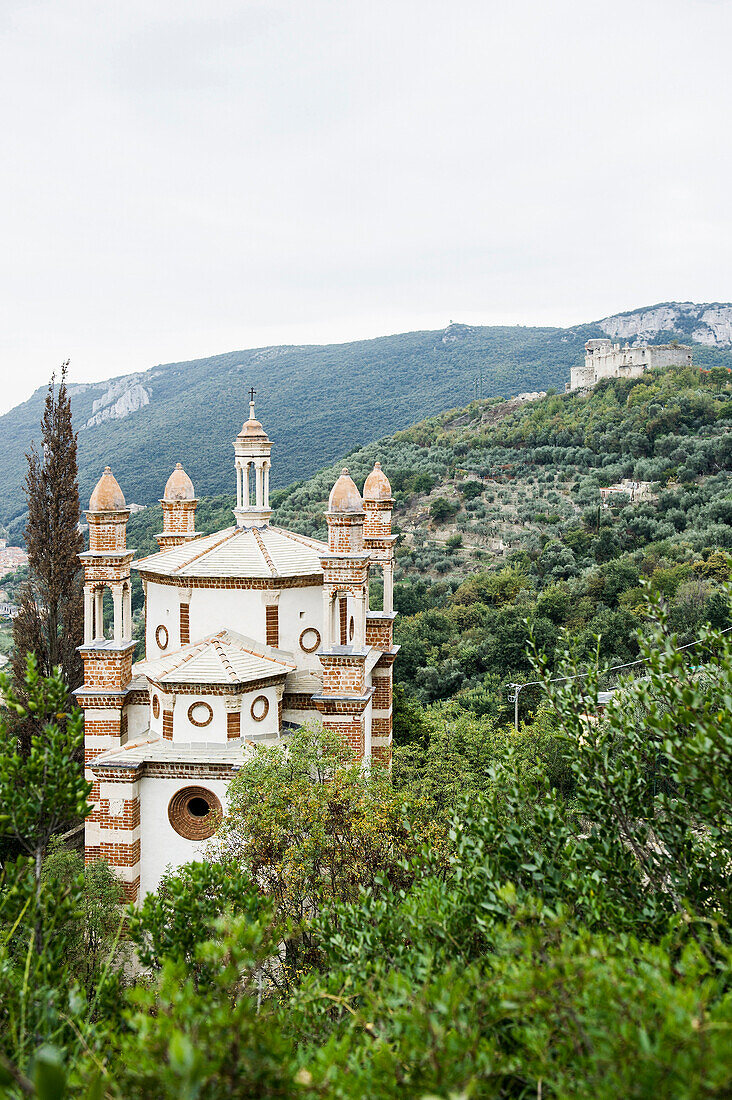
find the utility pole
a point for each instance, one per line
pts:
(513, 697)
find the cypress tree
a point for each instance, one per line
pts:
(50, 617)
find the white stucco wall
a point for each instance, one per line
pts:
(213, 609)
(160, 846)
(162, 608)
(138, 716)
(186, 732)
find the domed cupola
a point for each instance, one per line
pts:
(252, 449)
(107, 495)
(377, 485)
(179, 486)
(107, 516)
(378, 503)
(179, 510)
(345, 516)
(344, 496)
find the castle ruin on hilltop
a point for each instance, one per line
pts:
(604, 359)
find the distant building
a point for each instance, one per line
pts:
(603, 359)
(11, 558)
(8, 610)
(636, 490)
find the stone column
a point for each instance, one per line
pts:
(88, 614)
(258, 472)
(359, 640)
(99, 612)
(265, 477)
(247, 485)
(117, 599)
(127, 613)
(388, 603)
(327, 619)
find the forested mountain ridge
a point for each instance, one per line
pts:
(500, 521)
(316, 403)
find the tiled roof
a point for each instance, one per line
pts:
(224, 658)
(239, 552)
(147, 748)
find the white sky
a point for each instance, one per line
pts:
(185, 177)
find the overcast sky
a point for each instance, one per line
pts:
(185, 177)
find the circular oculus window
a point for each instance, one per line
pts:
(161, 637)
(200, 713)
(259, 708)
(309, 639)
(156, 707)
(194, 813)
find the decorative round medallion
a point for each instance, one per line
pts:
(200, 713)
(156, 707)
(259, 708)
(309, 639)
(194, 813)
(351, 629)
(161, 637)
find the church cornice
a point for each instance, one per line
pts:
(312, 580)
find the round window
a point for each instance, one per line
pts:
(309, 639)
(156, 707)
(260, 708)
(194, 813)
(200, 713)
(161, 637)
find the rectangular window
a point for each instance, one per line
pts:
(273, 625)
(343, 610)
(185, 623)
(168, 725)
(233, 725)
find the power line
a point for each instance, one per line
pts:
(515, 689)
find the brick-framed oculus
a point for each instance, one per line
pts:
(309, 639)
(161, 636)
(194, 813)
(200, 713)
(259, 708)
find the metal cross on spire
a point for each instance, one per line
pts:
(252, 392)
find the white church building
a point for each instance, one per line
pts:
(249, 633)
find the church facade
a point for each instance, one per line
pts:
(249, 633)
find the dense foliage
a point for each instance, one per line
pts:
(558, 942)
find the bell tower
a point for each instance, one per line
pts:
(252, 463)
(344, 651)
(107, 656)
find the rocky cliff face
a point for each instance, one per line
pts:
(121, 398)
(706, 323)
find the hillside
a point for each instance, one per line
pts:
(317, 403)
(500, 517)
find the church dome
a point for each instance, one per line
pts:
(179, 486)
(253, 430)
(344, 496)
(107, 496)
(377, 485)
